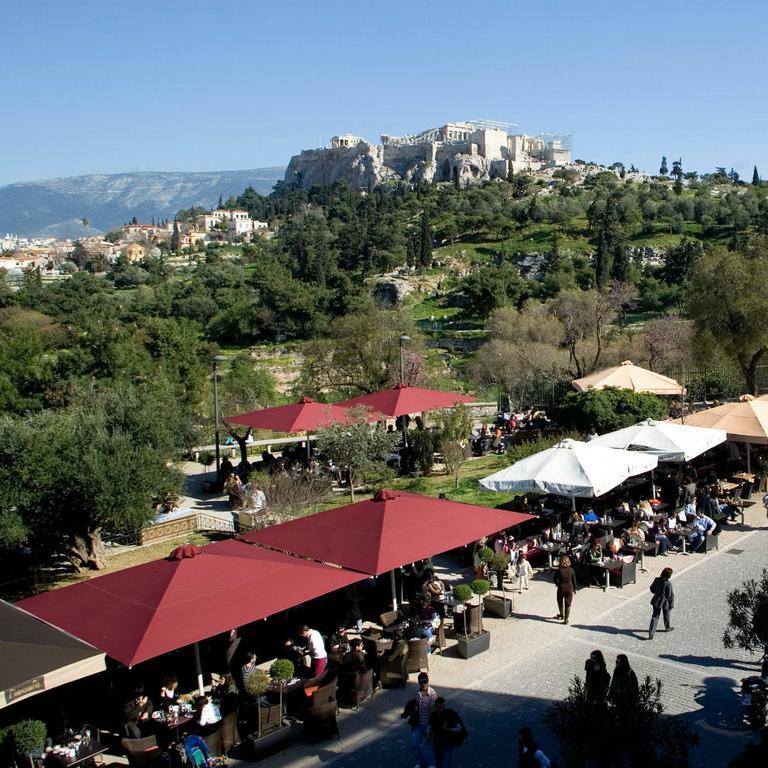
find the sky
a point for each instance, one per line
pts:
(108, 87)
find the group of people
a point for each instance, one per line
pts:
(436, 729)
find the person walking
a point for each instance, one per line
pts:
(565, 579)
(663, 601)
(624, 691)
(528, 753)
(598, 680)
(448, 732)
(526, 572)
(418, 711)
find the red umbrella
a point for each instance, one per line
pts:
(303, 416)
(403, 399)
(142, 612)
(385, 532)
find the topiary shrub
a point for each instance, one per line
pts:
(26, 736)
(257, 683)
(462, 593)
(282, 670)
(485, 555)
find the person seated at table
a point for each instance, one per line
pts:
(354, 660)
(434, 587)
(702, 525)
(209, 713)
(224, 691)
(590, 516)
(427, 622)
(168, 691)
(595, 552)
(635, 535)
(671, 529)
(658, 535)
(137, 713)
(614, 547)
(722, 506)
(338, 643)
(233, 486)
(645, 509)
(247, 669)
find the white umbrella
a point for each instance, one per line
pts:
(664, 439)
(571, 468)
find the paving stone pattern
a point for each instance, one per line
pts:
(533, 658)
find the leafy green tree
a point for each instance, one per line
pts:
(97, 464)
(611, 254)
(357, 449)
(635, 726)
(755, 177)
(727, 300)
(748, 616)
(680, 260)
(609, 409)
(454, 431)
(677, 170)
(663, 169)
(491, 287)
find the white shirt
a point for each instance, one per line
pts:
(209, 714)
(316, 645)
(259, 499)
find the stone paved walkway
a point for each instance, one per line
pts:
(532, 659)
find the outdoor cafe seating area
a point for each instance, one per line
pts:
(213, 651)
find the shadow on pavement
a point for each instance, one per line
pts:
(640, 634)
(713, 661)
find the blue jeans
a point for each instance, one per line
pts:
(422, 746)
(697, 539)
(663, 543)
(443, 756)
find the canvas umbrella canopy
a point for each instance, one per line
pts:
(745, 421)
(404, 399)
(664, 439)
(35, 656)
(391, 529)
(630, 376)
(304, 416)
(571, 468)
(153, 608)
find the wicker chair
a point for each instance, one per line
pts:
(142, 753)
(418, 657)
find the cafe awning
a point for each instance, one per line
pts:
(35, 656)
(142, 612)
(571, 468)
(304, 416)
(391, 529)
(403, 399)
(664, 439)
(630, 376)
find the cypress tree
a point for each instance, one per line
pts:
(425, 246)
(755, 177)
(663, 170)
(175, 238)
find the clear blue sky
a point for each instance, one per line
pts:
(109, 86)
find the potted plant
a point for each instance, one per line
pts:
(499, 606)
(26, 738)
(281, 672)
(271, 732)
(469, 643)
(485, 555)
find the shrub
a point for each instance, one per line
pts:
(462, 592)
(282, 670)
(25, 736)
(480, 587)
(485, 555)
(608, 409)
(257, 683)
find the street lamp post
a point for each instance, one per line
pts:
(403, 340)
(216, 360)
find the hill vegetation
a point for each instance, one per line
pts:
(519, 286)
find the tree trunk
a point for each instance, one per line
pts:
(87, 551)
(749, 369)
(241, 442)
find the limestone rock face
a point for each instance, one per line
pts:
(361, 167)
(389, 290)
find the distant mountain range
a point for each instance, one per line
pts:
(56, 207)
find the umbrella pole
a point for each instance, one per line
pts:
(199, 670)
(653, 485)
(573, 503)
(749, 463)
(394, 589)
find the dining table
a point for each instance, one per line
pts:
(66, 756)
(607, 566)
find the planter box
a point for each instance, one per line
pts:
(472, 645)
(496, 606)
(270, 742)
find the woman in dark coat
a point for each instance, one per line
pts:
(565, 579)
(598, 680)
(624, 689)
(663, 601)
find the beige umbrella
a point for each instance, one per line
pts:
(745, 421)
(630, 376)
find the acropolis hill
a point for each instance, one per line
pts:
(463, 153)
